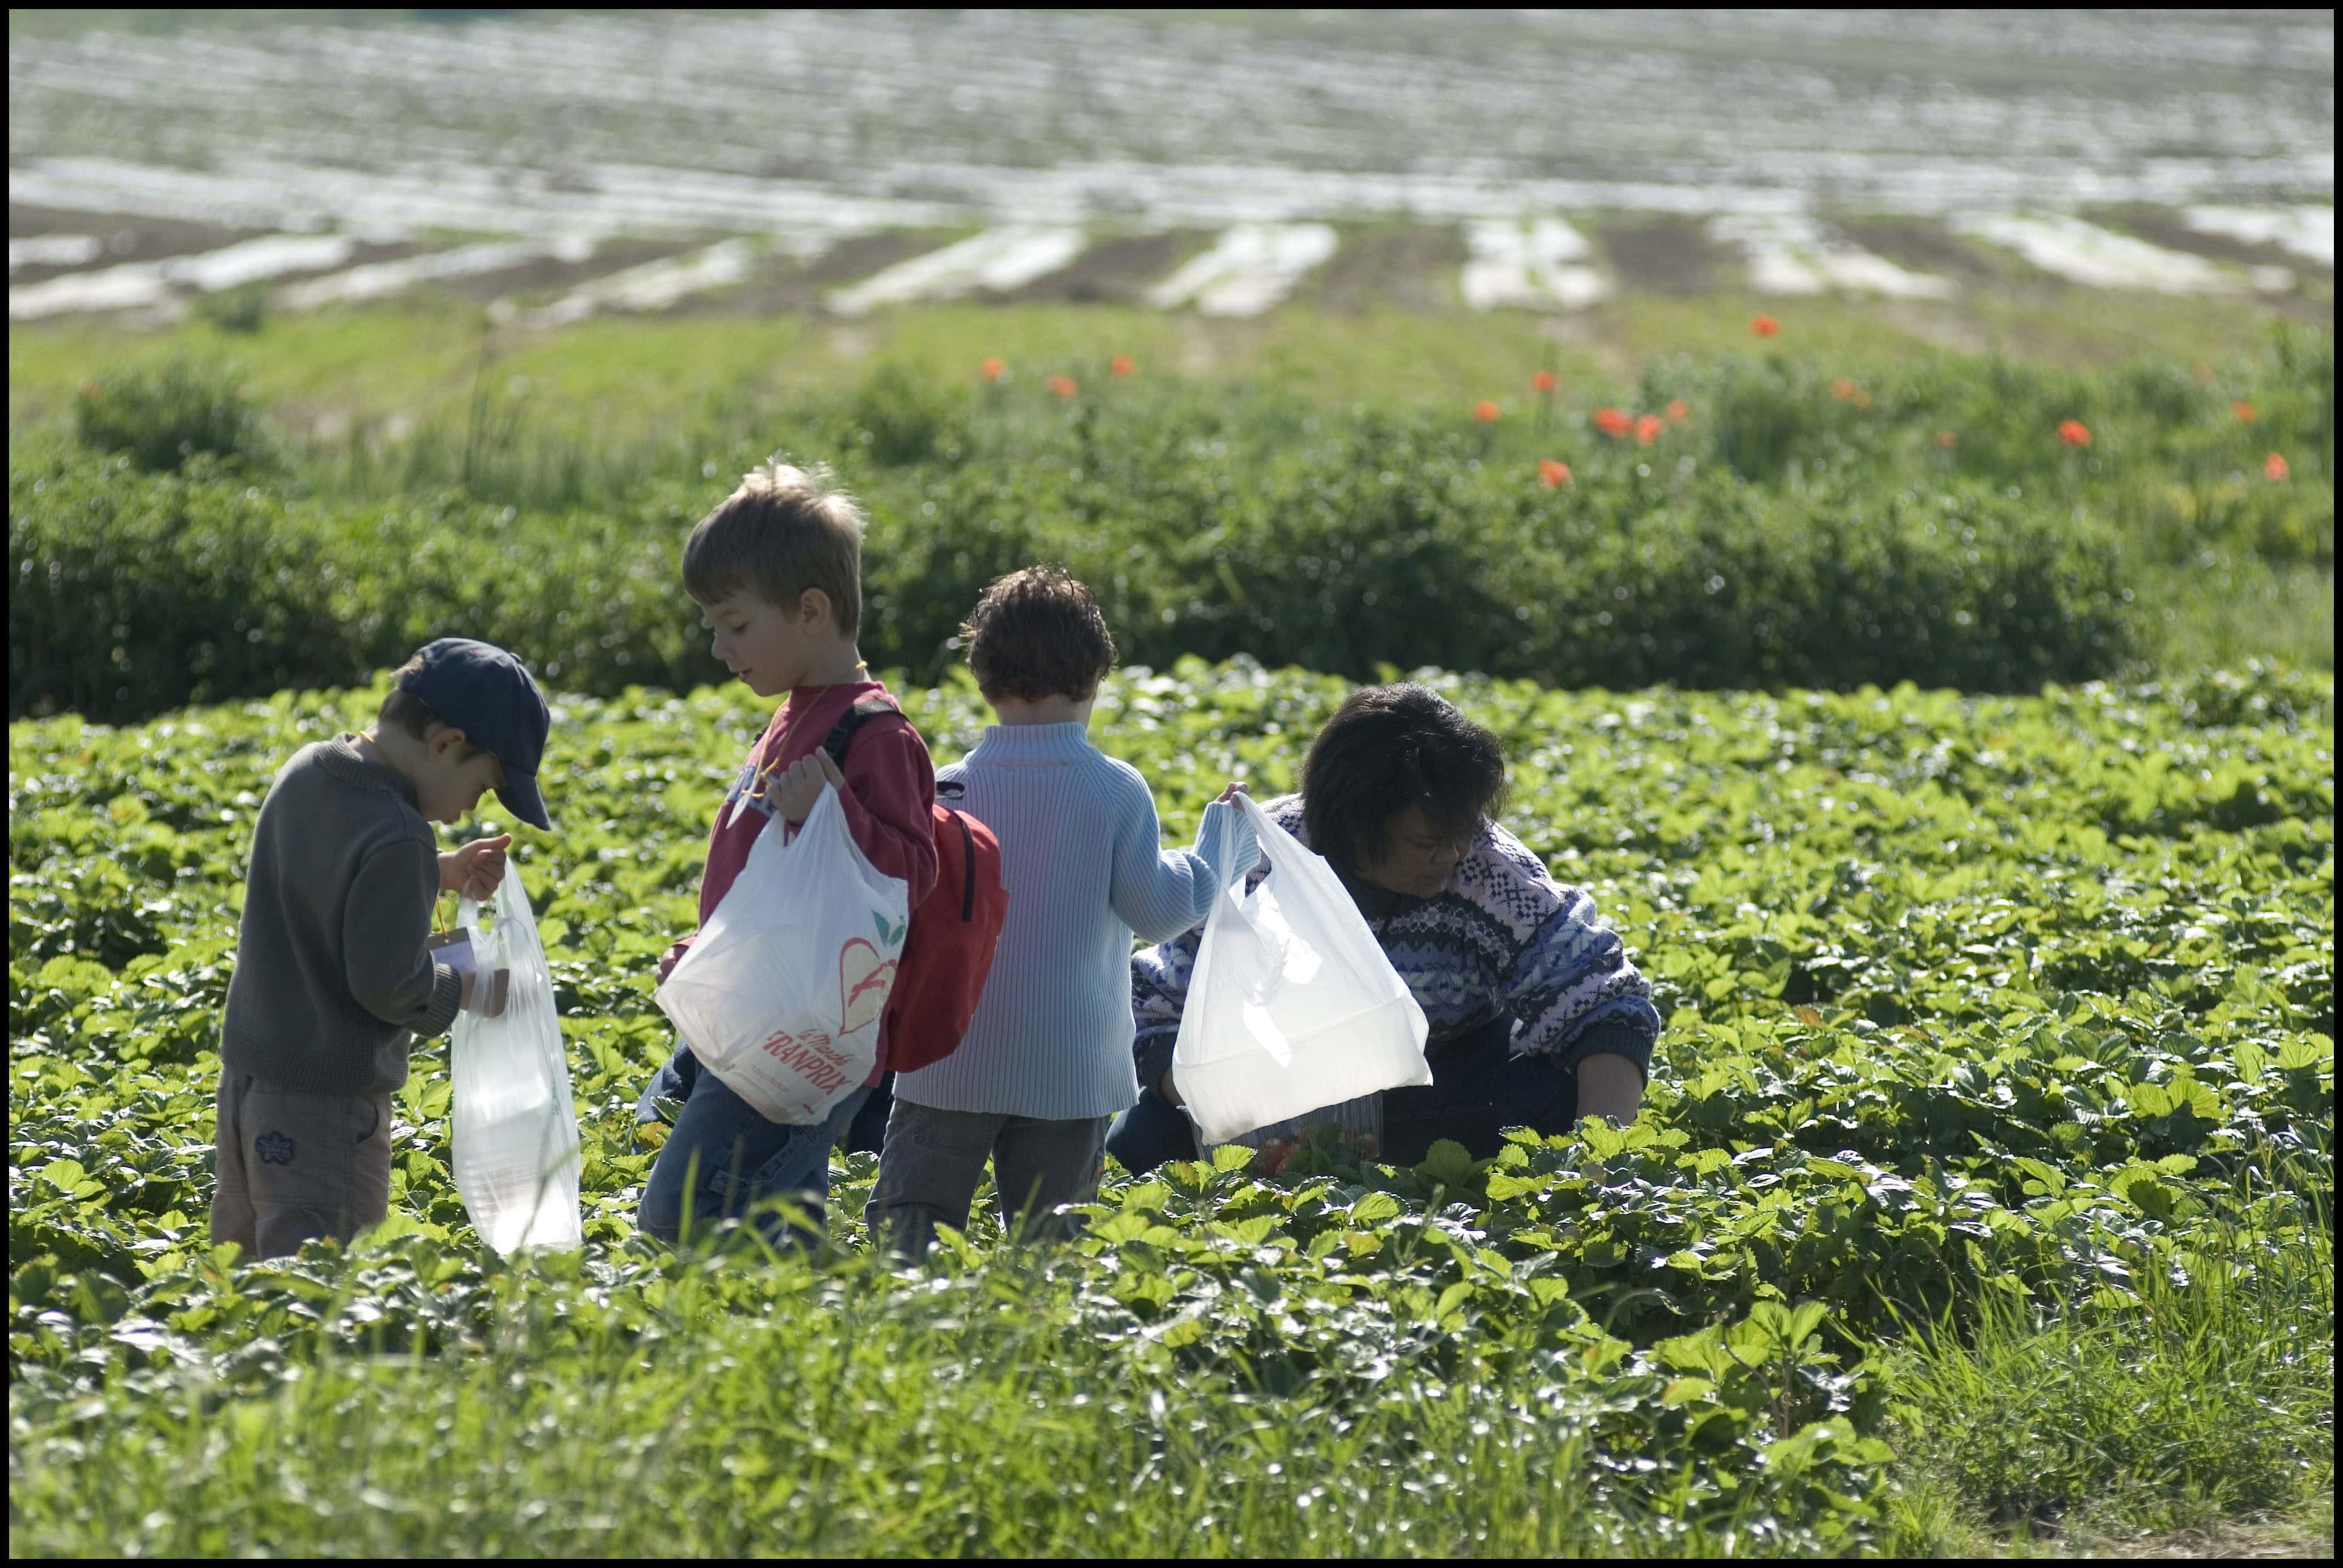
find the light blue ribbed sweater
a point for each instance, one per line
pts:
(1081, 857)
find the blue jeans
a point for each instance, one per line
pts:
(868, 1131)
(1478, 1089)
(724, 1159)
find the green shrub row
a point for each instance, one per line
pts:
(135, 593)
(1389, 543)
(1783, 525)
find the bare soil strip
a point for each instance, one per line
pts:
(1667, 256)
(2167, 230)
(548, 275)
(1926, 247)
(1114, 271)
(782, 286)
(125, 237)
(1413, 269)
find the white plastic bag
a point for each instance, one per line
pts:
(1292, 1008)
(514, 1125)
(780, 993)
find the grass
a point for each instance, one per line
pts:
(778, 1406)
(414, 358)
(2237, 611)
(954, 1418)
(2207, 1411)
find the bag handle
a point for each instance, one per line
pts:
(468, 909)
(1274, 840)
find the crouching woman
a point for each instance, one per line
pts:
(1537, 1019)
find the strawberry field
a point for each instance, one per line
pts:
(1872, 471)
(1984, 1185)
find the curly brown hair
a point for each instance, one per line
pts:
(1038, 633)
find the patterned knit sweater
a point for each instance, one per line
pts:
(1503, 935)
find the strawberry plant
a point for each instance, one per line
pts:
(1980, 1010)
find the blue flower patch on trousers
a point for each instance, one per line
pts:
(275, 1148)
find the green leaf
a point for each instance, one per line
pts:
(1603, 1141)
(68, 1177)
(1504, 1188)
(1699, 1353)
(1446, 1162)
(1124, 1226)
(957, 1244)
(2302, 1052)
(1805, 1318)
(1687, 1390)
(1232, 1157)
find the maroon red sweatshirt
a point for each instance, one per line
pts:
(889, 784)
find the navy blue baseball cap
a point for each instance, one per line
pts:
(483, 691)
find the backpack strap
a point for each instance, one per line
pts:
(843, 731)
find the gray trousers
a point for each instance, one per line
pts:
(294, 1166)
(932, 1160)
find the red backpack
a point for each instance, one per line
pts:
(953, 929)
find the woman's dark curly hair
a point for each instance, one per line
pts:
(1386, 748)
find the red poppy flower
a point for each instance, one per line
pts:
(1948, 440)
(1843, 388)
(2243, 410)
(1485, 411)
(2274, 468)
(990, 369)
(1553, 475)
(1063, 386)
(1612, 422)
(1679, 410)
(1648, 428)
(1545, 381)
(1121, 365)
(1862, 399)
(2074, 432)
(1764, 326)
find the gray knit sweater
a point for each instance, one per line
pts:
(333, 978)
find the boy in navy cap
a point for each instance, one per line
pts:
(337, 971)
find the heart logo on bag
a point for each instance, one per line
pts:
(864, 979)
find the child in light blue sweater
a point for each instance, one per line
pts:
(1046, 1060)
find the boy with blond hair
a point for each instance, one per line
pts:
(777, 570)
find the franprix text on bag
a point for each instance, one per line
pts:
(1292, 1008)
(513, 1123)
(781, 993)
